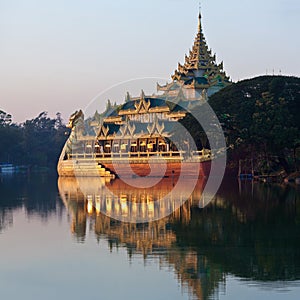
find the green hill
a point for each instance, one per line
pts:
(261, 120)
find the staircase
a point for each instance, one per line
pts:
(87, 168)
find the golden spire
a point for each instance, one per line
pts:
(199, 18)
(200, 63)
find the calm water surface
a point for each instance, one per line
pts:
(56, 244)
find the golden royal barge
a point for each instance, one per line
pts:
(137, 137)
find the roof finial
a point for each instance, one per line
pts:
(199, 9)
(199, 17)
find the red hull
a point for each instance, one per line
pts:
(169, 169)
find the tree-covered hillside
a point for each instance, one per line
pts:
(261, 121)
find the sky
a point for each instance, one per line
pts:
(58, 55)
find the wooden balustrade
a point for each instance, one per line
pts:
(133, 155)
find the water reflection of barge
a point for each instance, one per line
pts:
(152, 238)
(122, 201)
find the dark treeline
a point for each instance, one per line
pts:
(260, 120)
(34, 143)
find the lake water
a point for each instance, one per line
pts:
(56, 244)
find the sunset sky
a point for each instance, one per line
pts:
(56, 55)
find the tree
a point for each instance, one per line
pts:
(260, 118)
(5, 118)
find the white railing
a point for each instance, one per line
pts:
(132, 155)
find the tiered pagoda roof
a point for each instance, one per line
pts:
(140, 117)
(199, 72)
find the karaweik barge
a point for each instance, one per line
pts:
(141, 136)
